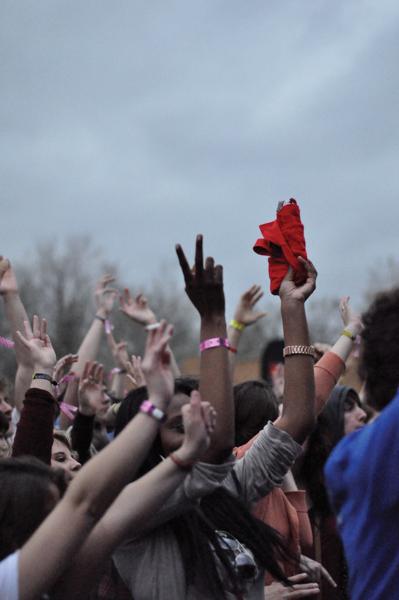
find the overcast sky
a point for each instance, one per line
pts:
(143, 123)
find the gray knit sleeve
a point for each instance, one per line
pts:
(264, 465)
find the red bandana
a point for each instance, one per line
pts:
(283, 240)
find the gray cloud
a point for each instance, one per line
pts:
(142, 123)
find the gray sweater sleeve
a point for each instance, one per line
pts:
(264, 465)
(203, 479)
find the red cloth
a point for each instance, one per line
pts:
(283, 240)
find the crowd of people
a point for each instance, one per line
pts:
(142, 483)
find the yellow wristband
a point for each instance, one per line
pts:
(237, 325)
(348, 334)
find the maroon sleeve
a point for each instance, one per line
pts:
(34, 435)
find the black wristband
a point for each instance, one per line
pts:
(102, 319)
(46, 377)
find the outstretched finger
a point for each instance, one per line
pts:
(86, 370)
(256, 297)
(309, 266)
(43, 329)
(35, 326)
(28, 330)
(209, 266)
(199, 258)
(125, 298)
(22, 339)
(219, 274)
(328, 577)
(298, 578)
(185, 267)
(105, 280)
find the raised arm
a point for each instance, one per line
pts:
(97, 484)
(204, 287)
(244, 316)
(16, 316)
(88, 350)
(298, 415)
(137, 502)
(332, 364)
(34, 434)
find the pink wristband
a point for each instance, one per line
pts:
(6, 342)
(215, 343)
(148, 408)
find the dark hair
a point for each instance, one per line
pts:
(129, 408)
(272, 354)
(329, 430)
(4, 424)
(255, 404)
(25, 499)
(379, 361)
(220, 510)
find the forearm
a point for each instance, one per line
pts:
(87, 498)
(327, 371)
(70, 397)
(90, 345)
(216, 388)
(331, 366)
(298, 414)
(34, 435)
(23, 378)
(16, 315)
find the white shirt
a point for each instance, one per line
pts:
(9, 577)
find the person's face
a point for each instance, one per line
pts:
(61, 458)
(6, 409)
(354, 417)
(172, 431)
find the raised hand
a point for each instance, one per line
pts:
(105, 296)
(199, 419)
(119, 352)
(350, 318)
(288, 289)
(204, 284)
(244, 312)
(136, 308)
(8, 281)
(64, 364)
(156, 365)
(38, 344)
(91, 394)
(135, 372)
